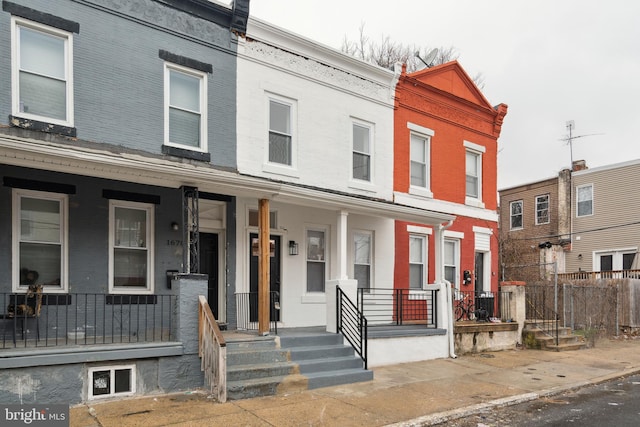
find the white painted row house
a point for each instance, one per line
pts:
(139, 182)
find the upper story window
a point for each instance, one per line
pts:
(130, 247)
(361, 152)
(473, 167)
(417, 261)
(516, 214)
(542, 209)
(280, 132)
(39, 240)
(185, 107)
(42, 84)
(584, 200)
(420, 161)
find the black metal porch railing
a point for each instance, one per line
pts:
(85, 319)
(479, 306)
(352, 324)
(540, 303)
(247, 306)
(399, 306)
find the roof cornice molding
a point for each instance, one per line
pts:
(291, 42)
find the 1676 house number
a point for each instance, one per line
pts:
(174, 242)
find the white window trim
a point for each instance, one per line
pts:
(511, 227)
(416, 189)
(371, 255)
(548, 209)
(150, 210)
(478, 150)
(168, 67)
(355, 182)
(315, 297)
(416, 229)
(15, 74)
(617, 256)
(15, 252)
(593, 207)
(456, 241)
(425, 259)
(280, 168)
(112, 369)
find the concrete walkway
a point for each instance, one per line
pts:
(411, 394)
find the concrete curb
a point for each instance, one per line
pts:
(454, 414)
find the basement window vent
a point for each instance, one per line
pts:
(112, 381)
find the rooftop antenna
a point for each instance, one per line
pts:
(571, 125)
(430, 58)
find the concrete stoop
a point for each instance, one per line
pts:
(265, 366)
(535, 337)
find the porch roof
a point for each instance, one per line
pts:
(122, 164)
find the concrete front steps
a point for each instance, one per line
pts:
(534, 336)
(295, 360)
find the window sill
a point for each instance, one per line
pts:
(187, 154)
(420, 191)
(314, 299)
(35, 125)
(362, 185)
(280, 170)
(470, 201)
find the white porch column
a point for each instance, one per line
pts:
(341, 235)
(348, 286)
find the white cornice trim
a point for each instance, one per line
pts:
(445, 207)
(299, 45)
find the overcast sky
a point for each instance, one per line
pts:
(550, 61)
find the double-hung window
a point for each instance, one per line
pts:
(516, 214)
(585, 200)
(362, 259)
(316, 260)
(451, 260)
(419, 161)
(417, 261)
(130, 247)
(473, 167)
(185, 107)
(42, 87)
(542, 209)
(361, 152)
(280, 132)
(39, 240)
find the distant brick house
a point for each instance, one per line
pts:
(534, 227)
(445, 160)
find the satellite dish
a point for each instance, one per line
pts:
(431, 57)
(428, 61)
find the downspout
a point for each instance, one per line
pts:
(449, 297)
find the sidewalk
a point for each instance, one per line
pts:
(411, 394)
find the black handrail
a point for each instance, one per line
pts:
(352, 324)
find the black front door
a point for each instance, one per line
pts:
(209, 264)
(274, 284)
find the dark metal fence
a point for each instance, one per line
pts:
(49, 320)
(399, 306)
(352, 324)
(247, 306)
(479, 306)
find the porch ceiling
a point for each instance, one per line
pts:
(90, 159)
